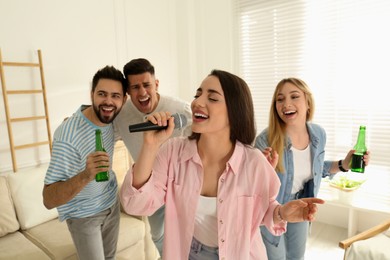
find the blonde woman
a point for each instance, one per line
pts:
(298, 149)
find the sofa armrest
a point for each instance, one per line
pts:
(8, 221)
(344, 244)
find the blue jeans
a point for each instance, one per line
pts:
(292, 244)
(201, 252)
(156, 222)
(96, 237)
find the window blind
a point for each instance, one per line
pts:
(341, 49)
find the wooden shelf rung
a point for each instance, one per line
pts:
(21, 64)
(31, 118)
(24, 146)
(32, 91)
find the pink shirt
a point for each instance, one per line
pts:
(246, 199)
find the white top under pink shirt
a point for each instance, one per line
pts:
(246, 199)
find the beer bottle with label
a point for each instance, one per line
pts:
(101, 176)
(357, 163)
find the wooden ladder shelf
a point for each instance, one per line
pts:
(11, 120)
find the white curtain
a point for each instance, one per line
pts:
(341, 49)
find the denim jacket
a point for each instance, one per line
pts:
(320, 167)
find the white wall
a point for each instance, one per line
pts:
(184, 39)
(205, 31)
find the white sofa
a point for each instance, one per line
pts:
(29, 231)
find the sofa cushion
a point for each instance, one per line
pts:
(26, 188)
(136, 251)
(8, 221)
(131, 231)
(54, 238)
(17, 247)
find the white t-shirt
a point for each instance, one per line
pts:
(206, 223)
(302, 168)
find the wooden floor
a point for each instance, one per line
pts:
(323, 242)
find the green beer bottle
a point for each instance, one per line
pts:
(101, 176)
(357, 163)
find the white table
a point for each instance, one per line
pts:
(365, 201)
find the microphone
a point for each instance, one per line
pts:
(179, 119)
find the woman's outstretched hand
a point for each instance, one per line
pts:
(300, 210)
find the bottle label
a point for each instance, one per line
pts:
(357, 163)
